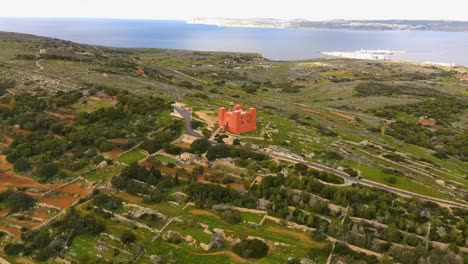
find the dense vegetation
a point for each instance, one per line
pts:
(17, 201)
(444, 141)
(383, 89)
(42, 245)
(43, 150)
(93, 111)
(443, 110)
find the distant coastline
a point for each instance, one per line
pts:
(423, 25)
(381, 55)
(272, 43)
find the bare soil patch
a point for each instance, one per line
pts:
(11, 230)
(119, 140)
(209, 119)
(75, 188)
(61, 115)
(167, 170)
(62, 201)
(10, 178)
(129, 197)
(203, 212)
(4, 164)
(183, 145)
(41, 215)
(4, 212)
(114, 153)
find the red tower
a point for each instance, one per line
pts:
(236, 120)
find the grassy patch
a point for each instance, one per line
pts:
(255, 218)
(396, 181)
(103, 174)
(92, 104)
(164, 159)
(131, 156)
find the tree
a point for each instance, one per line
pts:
(17, 201)
(21, 164)
(232, 217)
(218, 151)
(47, 170)
(251, 248)
(200, 146)
(301, 168)
(13, 249)
(127, 237)
(236, 142)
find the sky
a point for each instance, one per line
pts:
(282, 9)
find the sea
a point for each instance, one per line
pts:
(272, 43)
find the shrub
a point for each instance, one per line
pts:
(232, 217)
(21, 164)
(253, 248)
(218, 151)
(17, 201)
(47, 170)
(127, 237)
(13, 249)
(200, 146)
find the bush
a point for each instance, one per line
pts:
(218, 151)
(232, 217)
(253, 248)
(13, 249)
(174, 150)
(47, 170)
(107, 202)
(21, 164)
(200, 146)
(127, 237)
(17, 201)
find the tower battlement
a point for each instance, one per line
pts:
(236, 120)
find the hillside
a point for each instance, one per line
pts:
(96, 166)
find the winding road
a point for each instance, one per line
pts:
(364, 181)
(188, 127)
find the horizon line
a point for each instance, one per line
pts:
(188, 19)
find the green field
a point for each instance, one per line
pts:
(377, 175)
(91, 104)
(164, 159)
(131, 156)
(103, 174)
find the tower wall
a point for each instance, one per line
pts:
(237, 121)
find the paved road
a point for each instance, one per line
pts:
(365, 182)
(187, 120)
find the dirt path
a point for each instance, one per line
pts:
(302, 238)
(187, 76)
(203, 212)
(209, 119)
(232, 255)
(39, 66)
